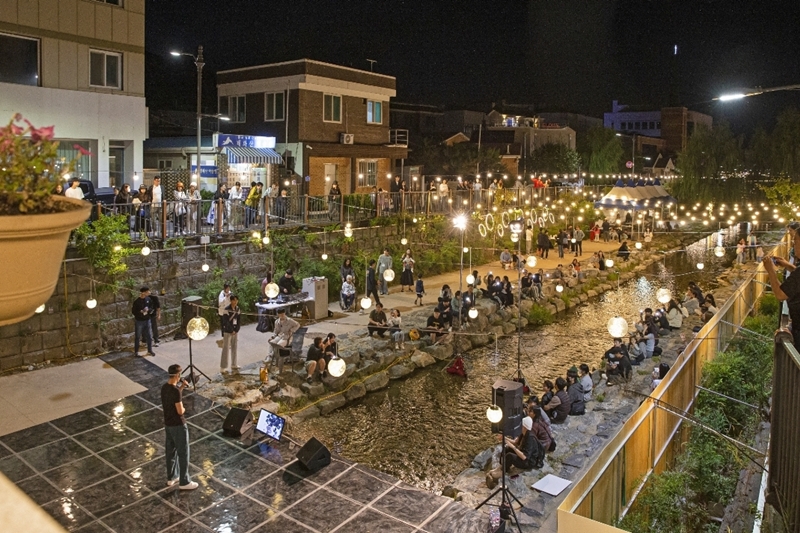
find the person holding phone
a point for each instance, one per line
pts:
(789, 290)
(177, 433)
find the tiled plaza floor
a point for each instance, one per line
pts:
(103, 469)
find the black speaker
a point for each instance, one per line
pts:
(314, 455)
(237, 422)
(508, 396)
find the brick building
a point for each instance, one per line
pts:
(331, 122)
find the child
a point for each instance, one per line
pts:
(420, 288)
(759, 253)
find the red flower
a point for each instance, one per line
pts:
(44, 133)
(81, 149)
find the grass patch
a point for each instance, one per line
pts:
(539, 316)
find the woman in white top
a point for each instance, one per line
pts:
(235, 197)
(407, 276)
(180, 209)
(194, 199)
(394, 322)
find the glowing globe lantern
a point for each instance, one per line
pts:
(663, 295)
(700, 266)
(617, 327)
(403, 241)
(348, 232)
(473, 313)
(366, 303)
(197, 328)
(205, 267)
(531, 261)
(719, 251)
(145, 250)
(324, 257)
(91, 303)
(336, 367)
(272, 290)
(559, 288)
(609, 263)
(494, 414)
(514, 237)
(265, 240)
(470, 279)
(40, 309)
(388, 274)
(638, 245)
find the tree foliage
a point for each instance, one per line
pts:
(552, 158)
(458, 159)
(711, 166)
(601, 151)
(104, 243)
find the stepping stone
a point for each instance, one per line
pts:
(574, 460)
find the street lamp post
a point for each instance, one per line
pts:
(199, 63)
(460, 222)
(633, 152)
(755, 92)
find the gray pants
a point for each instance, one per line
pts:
(177, 453)
(229, 342)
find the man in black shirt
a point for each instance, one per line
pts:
(177, 441)
(155, 316)
(372, 283)
(435, 327)
(287, 283)
(446, 312)
(142, 307)
(315, 359)
(377, 321)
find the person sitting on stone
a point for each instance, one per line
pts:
(435, 327)
(283, 330)
(496, 290)
(709, 305)
(456, 307)
(446, 312)
(558, 273)
(618, 364)
(506, 260)
(675, 315)
(548, 391)
(586, 382)
(467, 303)
(696, 291)
(559, 407)
(635, 352)
(445, 293)
(315, 360)
(525, 456)
(690, 302)
(540, 427)
(507, 292)
(377, 321)
(526, 282)
(659, 373)
(624, 252)
(575, 392)
(395, 321)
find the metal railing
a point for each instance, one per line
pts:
(650, 439)
(398, 137)
(783, 484)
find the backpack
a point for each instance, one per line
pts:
(552, 446)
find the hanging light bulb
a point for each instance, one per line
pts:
(470, 279)
(719, 251)
(609, 263)
(638, 245)
(265, 240)
(700, 266)
(324, 257)
(40, 309)
(466, 250)
(473, 313)
(531, 261)
(145, 250)
(388, 274)
(348, 232)
(257, 235)
(366, 303)
(337, 366)
(559, 288)
(272, 290)
(617, 327)
(204, 268)
(403, 241)
(414, 220)
(663, 295)
(494, 414)
(91, 303)
(514, 237)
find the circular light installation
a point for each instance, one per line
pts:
(366, 303)
(473, 313)
(494, 414)
(638, 245)
(91, 303)
(197, 328)
(617, 327)
(663, 295)
(336, 367)
(146, 250)
(609, 263)
(403, 241)
(531, 261)
(719, 251)
(205, 267)
(388, 274)
(700, 266)
(40, 309)
(272, 290)
(559, 288)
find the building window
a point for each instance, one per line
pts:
(374, 112)
(658, 125)
(232, 107)
(105, 69)
(273, 106)
(652, 125)
(19, 62)
(332, 108)
(165, 164)
(367, 173)
(112, 2)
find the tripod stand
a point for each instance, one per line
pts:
(506, 505)
(196, 329)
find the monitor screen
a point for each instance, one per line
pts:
(270, 424)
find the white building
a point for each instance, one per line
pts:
(78, 65)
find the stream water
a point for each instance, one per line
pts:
(427, 428)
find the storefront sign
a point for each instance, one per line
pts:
(222, 140)
(206, 171)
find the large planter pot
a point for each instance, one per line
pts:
(32, 248)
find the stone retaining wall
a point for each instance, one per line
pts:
(67, 328)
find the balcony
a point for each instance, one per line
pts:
(398, 138)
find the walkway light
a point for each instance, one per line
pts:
(197, 328)
(617, 327)
(663, 295)
(473, 313)
(366, 302)
(337, 366)
(388, 274)
(531, 261)
(494, 414)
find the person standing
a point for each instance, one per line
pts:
(562, 240)
(74, 190)
(155, 316)
(251, 204)
(156, 197)
(578, 235)
(407, 276)
(194, 199)
(372, 283)
(230, 335)
(235, 196)
(177, 433)
(141, 314)
(528, 239)
(384, 264)
(181, 198)
(752, 244)
(223, 301)
(334, 200)
(282, 207)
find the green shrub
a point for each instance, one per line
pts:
(539, 316)
(768, 305)
(612, 276)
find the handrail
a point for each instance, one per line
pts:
(644, 444)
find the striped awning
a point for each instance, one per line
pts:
(255, 156)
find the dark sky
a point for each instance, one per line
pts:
(575, 55)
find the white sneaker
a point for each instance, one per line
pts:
(189, 486)
(223, 371)
(173, 482)
(396, 346)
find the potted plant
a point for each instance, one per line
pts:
(35, 223)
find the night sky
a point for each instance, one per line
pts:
(575, 55)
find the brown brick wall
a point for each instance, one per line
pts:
(354, 120)
(316, 168)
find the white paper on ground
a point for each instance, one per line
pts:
(552, 485)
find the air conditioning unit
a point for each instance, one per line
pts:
(346, 138)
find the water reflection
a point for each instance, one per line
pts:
(427, 428)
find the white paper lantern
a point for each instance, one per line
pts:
(663, 295)
(573, 241)
(265, 240)
(272, 290)
(145, 250)
(617, 327)
(197, 328)
(700, 266)
(531, 261)
(348, 232)
(388, 274)
(609, 263)
(91, 303)
(719, 251)
(494, 414)
(324, 257)
(366, 303)
(466, 250)
(470, 279)
(638, 245)
(205, 267)
(403, 241)
(40, 309)
(559, 288)
(336, 367)
(473, 313)
(514, 237)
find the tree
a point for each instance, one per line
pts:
(785, 145)
(554, 158)
(601, 151)
(711, 166)
(455, 160)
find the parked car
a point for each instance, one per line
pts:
(103, 196)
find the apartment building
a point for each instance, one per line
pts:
(79, 65)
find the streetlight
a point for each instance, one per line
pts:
(199, 63)
(633, 152)
(460, 222)
(755, 92)
(517, 227)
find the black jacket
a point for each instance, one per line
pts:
(231, 320)
(372, 282)
(287, 285)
